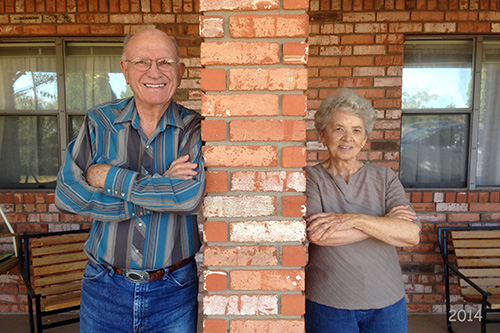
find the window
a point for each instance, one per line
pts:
(451, 113)
(45, 90)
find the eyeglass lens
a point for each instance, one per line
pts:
(163, 64)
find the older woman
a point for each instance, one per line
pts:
(357, 214)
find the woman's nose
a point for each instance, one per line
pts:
(347, 136)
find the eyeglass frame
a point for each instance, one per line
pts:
(150, 62)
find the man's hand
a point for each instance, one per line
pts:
(96, 174)
(182, 168)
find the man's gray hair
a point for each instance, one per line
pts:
(149, 27)
(348, 101)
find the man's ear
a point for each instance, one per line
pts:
(123, 66)
(182, 69)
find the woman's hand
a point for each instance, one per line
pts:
(403, 213)
(323, 225)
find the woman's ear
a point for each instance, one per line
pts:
(321, 136)
(364, 142)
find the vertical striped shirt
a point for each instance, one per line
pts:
(141, 219)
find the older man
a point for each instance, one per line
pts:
(136, 169)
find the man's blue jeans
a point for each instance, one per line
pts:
(109, 303)
(324, 319)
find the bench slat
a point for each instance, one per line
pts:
(60, 269)
(59, 239)
(494, 301)
(58, 259)
(479, 272)
(60, 302)
(56, 249)
(478, 262)
(472, 291)
(59, 288)
(476, 243)
(477, 252)
(482, 282)
(475, 234)
(55, 279)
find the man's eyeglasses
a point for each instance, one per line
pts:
(144, 64)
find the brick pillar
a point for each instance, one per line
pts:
(254, 78)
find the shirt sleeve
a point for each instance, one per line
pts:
(314, 203)
(127, 194)
(162, 193)
(75, 195)
(395, 195)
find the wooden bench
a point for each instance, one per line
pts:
(477, 252)
(52, 266)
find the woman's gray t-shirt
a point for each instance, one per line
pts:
(362, 275)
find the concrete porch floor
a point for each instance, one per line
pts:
(428, 323)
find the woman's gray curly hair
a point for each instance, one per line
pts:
(348, 101)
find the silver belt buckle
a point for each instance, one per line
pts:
(136, 276)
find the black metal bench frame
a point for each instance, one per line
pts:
(25, 263)
(443, 233)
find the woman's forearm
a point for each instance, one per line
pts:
(390, 230)
(341, 237)
(396, 228)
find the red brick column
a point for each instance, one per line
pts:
(254, 79)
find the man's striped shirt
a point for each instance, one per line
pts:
(141, 219)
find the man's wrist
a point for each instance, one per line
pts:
(119, 182)
(96, 175)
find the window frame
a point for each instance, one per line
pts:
(62, 113)
(472, 112)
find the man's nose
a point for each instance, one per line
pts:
(154, 69)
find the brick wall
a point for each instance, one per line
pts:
(359, 44)
(256, 152)
(254, 79)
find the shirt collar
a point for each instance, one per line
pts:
(170, 118)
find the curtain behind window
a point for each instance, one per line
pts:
(88, 80)
(93, 77)
(488, 171)
(28, 144)
(93, 74)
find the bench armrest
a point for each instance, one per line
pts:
(443, 241)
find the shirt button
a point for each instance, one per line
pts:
(147, 146)
(133, 214)
(123, 194)
(140, 224)
(109, 191)
(116, 192)
(136, 251)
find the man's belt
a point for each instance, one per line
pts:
(140, 276)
